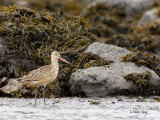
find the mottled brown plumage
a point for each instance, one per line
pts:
(43, 75)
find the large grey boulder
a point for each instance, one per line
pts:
(109, 79)
(149, 16)
(131, 7)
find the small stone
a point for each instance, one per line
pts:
(149, 17)
(119, 99)
(55, 101)
(113, 102)
(94, 102)
(157, 99)
(140, 99)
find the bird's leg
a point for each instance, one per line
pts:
(44, 95)
(36, 93)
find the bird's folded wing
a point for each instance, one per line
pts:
(37, 74)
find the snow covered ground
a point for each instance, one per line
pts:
(110, 108)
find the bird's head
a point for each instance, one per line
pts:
(56, 55)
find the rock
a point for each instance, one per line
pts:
(131, 7)
(2, 81)
(113, 102)
(149, 16)
(119, 99)
(12, 86)
(109, 79)
(93, 82)
(94, 102)
(21, 58)
(157, 99)
(106, 51)
(22, 3)
(141, 99)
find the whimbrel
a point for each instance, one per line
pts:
(43, 75)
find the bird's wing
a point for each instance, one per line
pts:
(37, 74)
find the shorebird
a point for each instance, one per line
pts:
(43, 75)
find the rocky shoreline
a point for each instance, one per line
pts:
(113, 46)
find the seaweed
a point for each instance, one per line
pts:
(82, 61)
(150, 61)
(144, 38)
(69, 6)
(60, 86)
(105, 21)
(142, 82)
(34, 35)
(112, 27)
(52, 90)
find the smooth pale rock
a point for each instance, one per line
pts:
(22, 3)
(131, 7)
(12, 86)
(149, 16)
(106, 51)
(101, 81)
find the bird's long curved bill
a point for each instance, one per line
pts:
(64, 60)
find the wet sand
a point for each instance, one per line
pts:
(110, 108)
